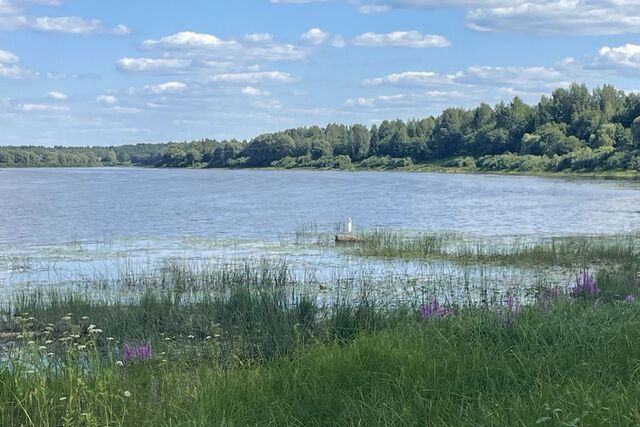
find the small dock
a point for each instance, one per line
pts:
(344, 239)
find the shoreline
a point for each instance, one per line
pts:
(421, 168)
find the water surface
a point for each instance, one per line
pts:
(44, 206)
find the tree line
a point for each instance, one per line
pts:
(574, 129)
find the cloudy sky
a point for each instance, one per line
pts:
(90, 72)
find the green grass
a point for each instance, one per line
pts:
(575, 252)
(568, 365)
(243, 345)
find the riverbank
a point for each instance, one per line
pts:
(438, 168)
(566, 358)
(248, 345)
(417, 168)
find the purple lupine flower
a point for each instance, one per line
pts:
(585, 286)
(507, 316)
(141, 352)
(630, 299)
(433, 309)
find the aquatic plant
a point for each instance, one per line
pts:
(508, 312)
(585, 285)
(433, 310)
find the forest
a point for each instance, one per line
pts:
(573, 130)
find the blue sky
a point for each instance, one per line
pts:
(89, 72)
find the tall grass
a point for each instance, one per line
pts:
(570, 251)
(243, 344)
(570, 364)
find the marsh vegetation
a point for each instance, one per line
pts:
(254, 342)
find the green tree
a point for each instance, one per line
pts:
(635, 130)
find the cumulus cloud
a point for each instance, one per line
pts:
(107, 99)
(7, 57)
(315, 36)
(414, 39)
(413, 78)
(510, 75)
(208, 45)
(252, 91)
(10, 68)
(477, 75)
(627, 56)
(339, 42)
(189, 39)
(259, 37)
(13, 16)
(150, 64)
(368, 9)
(166, 88)
(255, 77)
(597, 17)
(40, 108)
(58, 96)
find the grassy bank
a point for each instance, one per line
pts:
(566, 362)
(246, 344)
(567, 251)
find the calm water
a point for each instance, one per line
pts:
(66, 227)
(45, 206)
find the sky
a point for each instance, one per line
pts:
(96, 72)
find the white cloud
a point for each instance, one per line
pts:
(209, 46)
(510, 75)
(252, 91)
(72, 25)
(315, 36)
(368, 9)
(477, 75)
(166, 87)
(65, 24)
(627, 56)
(41, 108)
(414, 39)
(125, 110)
(189, 39)
(255, 77)
(13, 16)
(7, 57)
(10, 68)
(121, 30)
(149, 64)
(259, 37)
(413, 78)
(58, 96)
(596, 17)
(339, 42)
(107, 99)
(407, 101)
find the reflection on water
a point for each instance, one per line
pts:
(44, 206)
(69, 227)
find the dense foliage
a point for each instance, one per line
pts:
(572, 130)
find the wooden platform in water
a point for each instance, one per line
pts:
(347, 238)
